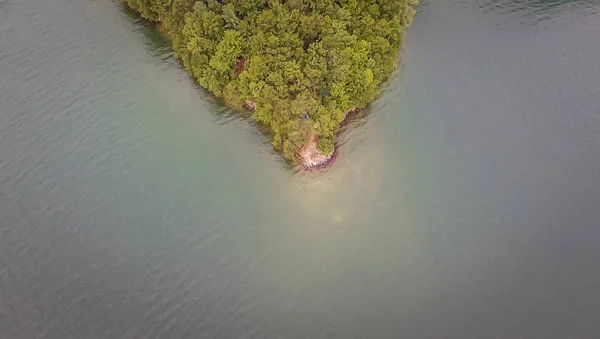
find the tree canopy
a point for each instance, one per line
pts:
(301, 64)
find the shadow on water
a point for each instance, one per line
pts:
(157, 41)
(159, 44)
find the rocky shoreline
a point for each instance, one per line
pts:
(313, 159)
(309, 156)
(318, 160)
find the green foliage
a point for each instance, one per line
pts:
(306, 62)
(325, 145)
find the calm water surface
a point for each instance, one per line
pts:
(466, 204)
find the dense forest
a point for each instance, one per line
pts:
(300, 65)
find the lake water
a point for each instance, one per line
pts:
(465, 204)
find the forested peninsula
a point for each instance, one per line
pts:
(300, 66)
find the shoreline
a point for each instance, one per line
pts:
(325, 161)
(310, 158)
(304, 118)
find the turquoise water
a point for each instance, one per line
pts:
(465, 204)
